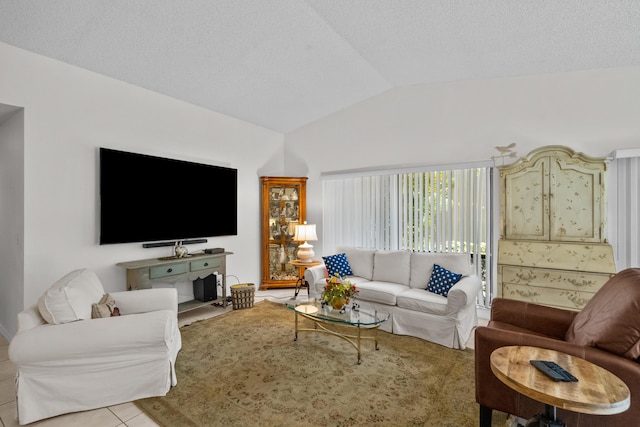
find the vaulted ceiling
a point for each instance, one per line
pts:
(284, 63)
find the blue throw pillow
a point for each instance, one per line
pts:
(442, 280)
(337, 264)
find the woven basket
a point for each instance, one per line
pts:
(242, 295)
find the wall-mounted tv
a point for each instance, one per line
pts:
(146, 198)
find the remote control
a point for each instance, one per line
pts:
(553, 370)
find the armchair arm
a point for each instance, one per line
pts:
(312, 275)
(146, 300)
(463, 293)
(550, 321)
(109, 337)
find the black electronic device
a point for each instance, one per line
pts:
(205, 289)
(553, 370)
(148, 199)
(214, 251)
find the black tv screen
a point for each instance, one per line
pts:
(145, 198)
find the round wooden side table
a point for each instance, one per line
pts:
(597, 390)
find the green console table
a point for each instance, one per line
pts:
(144, 273)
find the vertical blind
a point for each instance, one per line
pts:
(432, 211)
(624, 208)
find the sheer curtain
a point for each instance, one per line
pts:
(426, 210)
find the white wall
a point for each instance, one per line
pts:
(69, 113)
(11, 216)
(593, 111)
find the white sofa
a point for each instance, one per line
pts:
(396, 282)
(70, 362)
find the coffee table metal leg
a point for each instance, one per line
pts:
(296, 327)
(358, 345)
(375, 338)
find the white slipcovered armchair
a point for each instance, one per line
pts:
(68, 362)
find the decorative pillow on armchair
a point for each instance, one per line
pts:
(70, 298)
(611, 319)
(337, 264)
(442, 280)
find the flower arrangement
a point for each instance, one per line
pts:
(338, 291)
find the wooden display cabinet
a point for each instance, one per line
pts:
(283, 207)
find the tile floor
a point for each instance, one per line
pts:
(126, 414)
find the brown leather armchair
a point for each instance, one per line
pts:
(587, 334)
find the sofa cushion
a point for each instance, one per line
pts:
(422, 266)
(442, 280)
(422, 300)
(392, 266)
(611, 319)
(381, 292)
(360, 260)
(337, 264)
(70, 298)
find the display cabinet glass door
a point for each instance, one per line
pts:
(283, 209)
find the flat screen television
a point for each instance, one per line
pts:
(146, 198)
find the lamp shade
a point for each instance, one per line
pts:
(305, 232)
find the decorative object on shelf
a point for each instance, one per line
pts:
(180, 251)
(304, 233)
(505, 151)
(283, 255)
(338, 291)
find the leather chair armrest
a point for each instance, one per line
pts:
(544, 320)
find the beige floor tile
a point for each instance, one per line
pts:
(125, 411)
(4, 351)
(7, 370)
(7, 390)
(97, 418)
(8, 414)
(141, 420)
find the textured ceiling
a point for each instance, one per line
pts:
(284, 63)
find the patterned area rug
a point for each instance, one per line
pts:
(244, 368)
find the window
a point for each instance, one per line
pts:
(437, 210)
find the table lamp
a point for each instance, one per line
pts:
(304, 233)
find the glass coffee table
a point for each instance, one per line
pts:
(324, 316)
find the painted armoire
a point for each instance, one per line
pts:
(553, 248)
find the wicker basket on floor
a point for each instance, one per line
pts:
(242, 295)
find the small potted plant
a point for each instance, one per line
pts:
(338, 291)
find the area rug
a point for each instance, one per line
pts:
(244, 368)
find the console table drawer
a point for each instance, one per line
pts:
(205, 264)
(167, 270)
